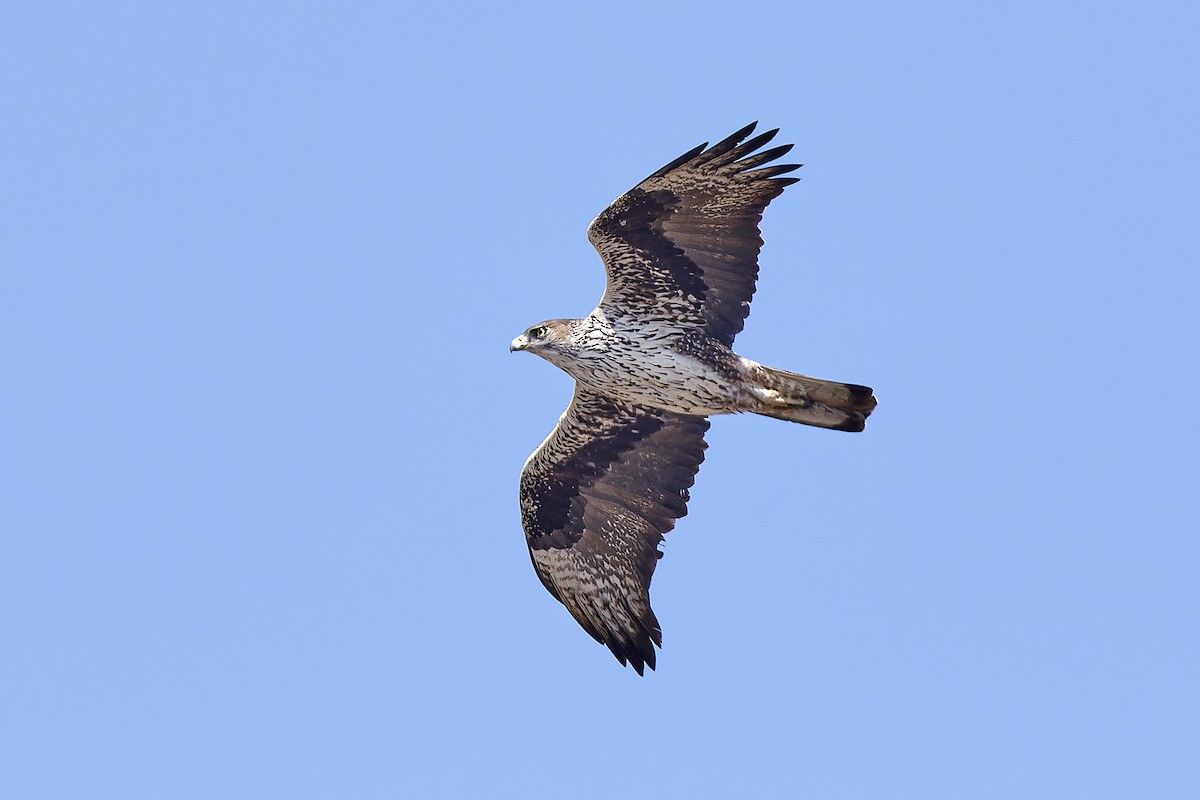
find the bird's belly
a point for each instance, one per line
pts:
(661, 379)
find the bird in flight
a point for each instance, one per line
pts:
(651, 363)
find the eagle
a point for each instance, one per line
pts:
(651, 364)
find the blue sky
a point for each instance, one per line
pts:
(260, 432)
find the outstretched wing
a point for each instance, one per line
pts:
(685, 241)
(596, 498)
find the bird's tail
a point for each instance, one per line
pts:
(812, 401)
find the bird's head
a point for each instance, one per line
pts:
(544, 338)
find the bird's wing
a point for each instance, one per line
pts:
(686, 239)
(596, 498)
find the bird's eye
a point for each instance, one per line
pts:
(538, 332)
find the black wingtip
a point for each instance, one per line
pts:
(731, 148)
(634, 647)
(744, 132)
(683, 159)
(730, 142)
(640, 664)
(773, 170)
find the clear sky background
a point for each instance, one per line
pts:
(260, 431)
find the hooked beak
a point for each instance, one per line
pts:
(518, 344)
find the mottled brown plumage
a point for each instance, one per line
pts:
(651, 363)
